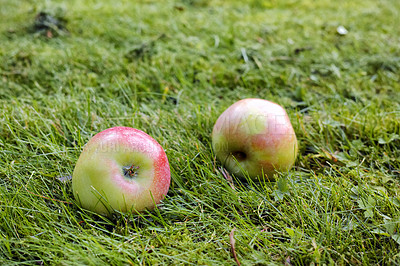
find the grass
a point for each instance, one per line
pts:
(170, 68)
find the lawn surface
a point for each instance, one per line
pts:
(170, 68)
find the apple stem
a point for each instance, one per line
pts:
(131, 171)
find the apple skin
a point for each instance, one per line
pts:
(121, 168)
(255, 136)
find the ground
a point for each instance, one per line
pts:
(69, 69)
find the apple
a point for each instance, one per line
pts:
(121, 168)
(254, 136)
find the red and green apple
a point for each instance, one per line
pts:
(255, 137)
(121, 168)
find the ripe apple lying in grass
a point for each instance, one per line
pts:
(121, 168)
(255, 136)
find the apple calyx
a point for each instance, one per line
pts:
(130, 171)
(239, 155)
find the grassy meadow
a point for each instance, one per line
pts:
(69, 69)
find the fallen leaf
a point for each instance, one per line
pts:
(232, 241)
(228, 177)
